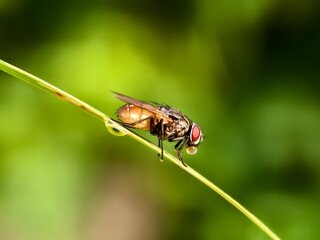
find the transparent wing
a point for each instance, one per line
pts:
(141, 104)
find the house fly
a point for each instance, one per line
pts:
(161, 120)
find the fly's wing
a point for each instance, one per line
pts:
(141, 104)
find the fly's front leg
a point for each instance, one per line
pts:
(178, 147)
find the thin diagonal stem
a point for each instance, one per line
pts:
(35, 81)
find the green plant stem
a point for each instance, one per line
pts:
(35, 81)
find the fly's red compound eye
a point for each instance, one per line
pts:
(195, 135)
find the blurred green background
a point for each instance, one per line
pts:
(246, 71)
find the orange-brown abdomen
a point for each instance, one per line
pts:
(130, 114)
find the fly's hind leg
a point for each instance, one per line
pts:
(153, 130)
(131, 125)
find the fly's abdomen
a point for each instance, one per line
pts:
(131, 114)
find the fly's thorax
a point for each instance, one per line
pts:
(179, 126)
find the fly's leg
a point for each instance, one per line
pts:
(158, 129)
(159, 146)
(153, 130)
(131, 125)
(160, 139)
(178, 147)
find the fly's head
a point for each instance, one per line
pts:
(195, 138)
